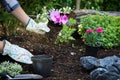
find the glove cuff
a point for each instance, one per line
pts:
(7, 47)
(31, 25)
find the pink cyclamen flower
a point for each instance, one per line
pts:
(99, 30)
(64, 19)
(89, 31)
(55, 16)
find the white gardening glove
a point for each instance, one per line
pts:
(17, 53)
(40, 28)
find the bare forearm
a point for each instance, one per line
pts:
(1, 46)
(14, 7)
(21, 15)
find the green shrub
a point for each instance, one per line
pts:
(111, 30)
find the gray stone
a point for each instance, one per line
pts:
(117, 65)
(108, 61)
(97, 72)
(108, 76)
(103, 74)
(112, 69)
(89, 62)
(107, 68)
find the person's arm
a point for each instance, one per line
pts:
(13, 7)
(6, 48)
(22, 16)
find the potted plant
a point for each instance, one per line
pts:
(93, 40)
(100, 31)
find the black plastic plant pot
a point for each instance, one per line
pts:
(42, 65)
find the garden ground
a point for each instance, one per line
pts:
(66, 57)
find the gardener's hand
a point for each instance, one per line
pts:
(40, 28)
(17, 53)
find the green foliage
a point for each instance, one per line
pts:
(65, 34)
(10, 68)
(72, 22)
(43, 17)
(70, 3)
(110, 5)
(35, 7)
(111, 26)
(91, 4)
(103, 5)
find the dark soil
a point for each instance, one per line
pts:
(66, 63)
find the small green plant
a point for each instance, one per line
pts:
(72, 22)
(65, 10)
(11, 68)
(65, 34)
(43, 17)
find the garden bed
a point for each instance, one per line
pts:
(66, 63)
(66, 57)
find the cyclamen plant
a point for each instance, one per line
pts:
(56, 17)
(93, 37)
